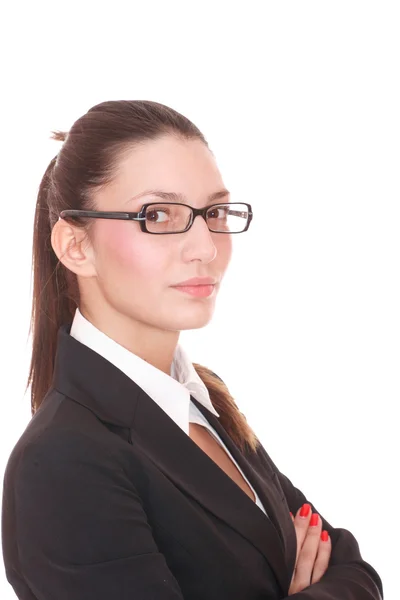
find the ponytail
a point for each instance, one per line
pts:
(231, 418)
(51, 306)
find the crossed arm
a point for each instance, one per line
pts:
(348, 576)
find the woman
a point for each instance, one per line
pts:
(138, 477)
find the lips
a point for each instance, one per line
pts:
(197, 281)
(198, 291)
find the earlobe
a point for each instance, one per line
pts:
(72, 248)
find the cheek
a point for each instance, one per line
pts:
(129, 253)
(223, 244)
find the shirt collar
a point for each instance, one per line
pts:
(170, 392)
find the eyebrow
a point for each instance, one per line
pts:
(177, 197)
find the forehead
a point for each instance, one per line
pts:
(168, 163)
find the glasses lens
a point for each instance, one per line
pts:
(167, 218)
(229, 218)
(173, 218)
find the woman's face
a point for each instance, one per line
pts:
(136, 271)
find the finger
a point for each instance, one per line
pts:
(308, 553)
(301, 522)
(323, 556)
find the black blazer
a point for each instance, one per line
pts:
(106, 498)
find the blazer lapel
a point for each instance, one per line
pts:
(198, 476)
(262, 478)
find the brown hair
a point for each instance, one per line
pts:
(86, 162)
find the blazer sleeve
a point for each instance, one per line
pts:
(82, 532)
(348, 576)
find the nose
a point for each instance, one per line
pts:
(199, 241)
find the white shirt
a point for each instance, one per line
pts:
(170, 392)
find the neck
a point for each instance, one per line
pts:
(155, 346)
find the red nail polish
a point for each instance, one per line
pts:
(314, 520)
(305, 509)
(324, 536)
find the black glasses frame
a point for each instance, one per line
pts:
(140, 216)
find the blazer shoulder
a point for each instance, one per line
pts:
(60, 450)
(47, 426)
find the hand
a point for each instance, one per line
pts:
(313, 549)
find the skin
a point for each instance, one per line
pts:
(313, 554)
(125, 275)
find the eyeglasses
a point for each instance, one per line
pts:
(174, 217)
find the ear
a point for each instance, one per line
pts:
(73, 248)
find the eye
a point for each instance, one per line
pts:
(151, 215)
(219, 212)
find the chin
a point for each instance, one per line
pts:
(185, 322)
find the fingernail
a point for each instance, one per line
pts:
(291, 514)
(314, 520)
(305, 509)
(324, 536)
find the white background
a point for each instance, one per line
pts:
(300, 103)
